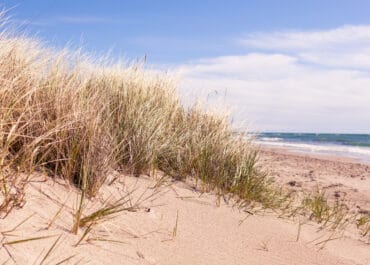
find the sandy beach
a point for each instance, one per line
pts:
(178, 225)
(341, 177)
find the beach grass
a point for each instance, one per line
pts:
(334, 215)
(77, 118)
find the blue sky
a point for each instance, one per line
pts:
(174, 31)
(285, 65)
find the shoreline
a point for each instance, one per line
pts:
(336, 155)
(317, 155)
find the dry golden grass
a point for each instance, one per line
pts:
(72, 117)
(363, 223)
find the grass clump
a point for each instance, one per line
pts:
(334, 215)
(318, 206)
(77, 118)
(363, 223)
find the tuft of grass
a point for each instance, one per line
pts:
(318, 206)
(363, 223)
(108, 211)
(333, 215)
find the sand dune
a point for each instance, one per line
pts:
(176, 226)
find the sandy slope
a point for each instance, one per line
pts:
(205, 234)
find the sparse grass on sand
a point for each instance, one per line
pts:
(333, 215)
(363, 224)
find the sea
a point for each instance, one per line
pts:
(355, 146)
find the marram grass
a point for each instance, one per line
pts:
(76, 118)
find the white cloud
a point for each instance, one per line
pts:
(249, 65)
(300, 84)
(341, 37)
(26, 22)
(66, 20)
(347, 46)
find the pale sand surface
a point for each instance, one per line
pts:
(343, 178)
(205, 234)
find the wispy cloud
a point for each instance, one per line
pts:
(77, 20)
(346, 46)
(342, 37)
(296, 81)
(85, 20)
(27, 22)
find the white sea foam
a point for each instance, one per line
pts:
(362, 153)
(270, 139)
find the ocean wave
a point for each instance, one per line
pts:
(270, 139)
(348, 151)
(362, 140)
